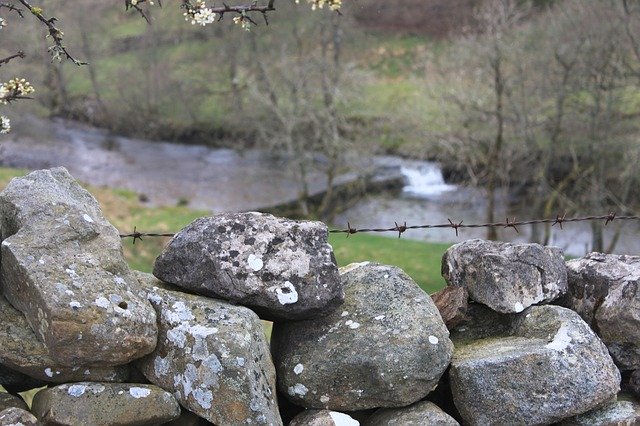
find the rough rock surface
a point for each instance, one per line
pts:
(21, 351)
(537, 367)
(8, 400)
(214, 357)
(623, 412)
(97, 404)
(452, 302)
(281, 268)
(62, 266)
(504, 276)
(387, 346)
(418, 414)
(323, 418)
(605, 290)
(14, 416)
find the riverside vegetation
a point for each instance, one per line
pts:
(518, 336)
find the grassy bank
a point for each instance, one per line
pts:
(418, 259)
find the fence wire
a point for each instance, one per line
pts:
(454, 225)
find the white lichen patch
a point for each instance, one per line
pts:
(324, 399)
(48, 372)
(299, 368)
(137, 392)
(77, 390)
(561, 340)
(352, 324)
(298, 390)
(87, 218)
(119, 280)
(102, 302)
(286, 294)
(518, 307)
(379, 317)
(344, 313)
(341, 419)
(202, 331)
(255, 262)
(75, 304)
(433, 340)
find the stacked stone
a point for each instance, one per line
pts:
(358, 345)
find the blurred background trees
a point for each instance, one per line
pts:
(536, 101)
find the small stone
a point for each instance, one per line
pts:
(323, 418)
(55, 264)
(419, 414)
(282, 269)
(96, 404)
(199, 344)
(14, 416)
(8, 400)
(605, 290)
(20, 350)
(537, 367)
(625, 411)
(357, 362)
(506, 277)
(452, 304)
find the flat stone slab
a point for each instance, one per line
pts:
(21, 351)
(419, 414)
(280, 268)
(537, 367)
(62, 267)
(97, 404)
(605, 290)
(213, 356)
(387, 345)
(506, 277)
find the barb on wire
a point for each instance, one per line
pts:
(401, 229)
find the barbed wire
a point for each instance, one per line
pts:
(456, 226)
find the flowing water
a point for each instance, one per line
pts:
(222, 180)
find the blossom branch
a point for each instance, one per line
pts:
(58, 49)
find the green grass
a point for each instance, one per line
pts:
(419, 260)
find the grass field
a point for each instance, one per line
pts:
(418, 259)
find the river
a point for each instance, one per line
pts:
(222, 180)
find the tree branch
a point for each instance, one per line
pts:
(56, 34)
(6, 60)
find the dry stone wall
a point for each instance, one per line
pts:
(518, 336)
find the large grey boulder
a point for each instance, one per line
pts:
(105, 404)
(419, 414)
(323, 418)
(282, 269)
(605, 290)
(387, 345)
(213, 356)
(21, 351)
(537, 367)
(506, 277)
(62, 266)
